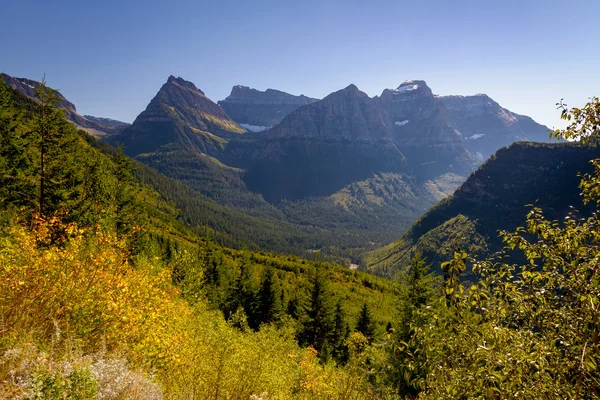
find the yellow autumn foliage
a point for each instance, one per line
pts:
(82, 286)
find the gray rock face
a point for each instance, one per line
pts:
(487, 127)
(261, 109)
(419, 118)
(27, 87)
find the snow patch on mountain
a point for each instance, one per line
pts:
(477, 136)
(407, 87)
(401, 123)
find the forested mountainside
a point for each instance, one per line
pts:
(95, 127)
(493, 198)
(332, 177)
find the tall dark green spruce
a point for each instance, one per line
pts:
(340, 332)
(55, 144)
(365, 324)
(268, 300)
(319, 324)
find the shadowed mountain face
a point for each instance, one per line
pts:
(486, 126)
(257, 110)
(493, 198)
(421, 128)
(322, 147)
(27, 88)
(348, 136)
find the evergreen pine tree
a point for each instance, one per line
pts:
(365, 324)
(55, 139)
(319, 324)
(268, 299)
(15, 160)
(240, 295)
(339, 334)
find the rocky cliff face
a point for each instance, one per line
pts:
(179, 115)
(421, 128)
(419, 118)
(486, 126)
(27, 88)
(257, 110)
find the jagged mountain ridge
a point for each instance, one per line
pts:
(257, 110)
(486, 126)
(493, 198)
(27, 88)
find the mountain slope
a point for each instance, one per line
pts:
(322, 147)
(493, 198)
(26, 87)
(487, 127)
(257, 110)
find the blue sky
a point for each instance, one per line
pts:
(111, 57)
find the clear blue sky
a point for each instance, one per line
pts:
(111, 57)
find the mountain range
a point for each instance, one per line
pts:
(342, 175)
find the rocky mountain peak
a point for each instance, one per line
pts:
(183, 83)
(349, 92)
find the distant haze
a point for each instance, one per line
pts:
(110, 58)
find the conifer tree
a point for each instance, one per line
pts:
(339, 334)
(269, 306)
(365, 324)
(240, 295)
(320, 317)
(51, 137)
